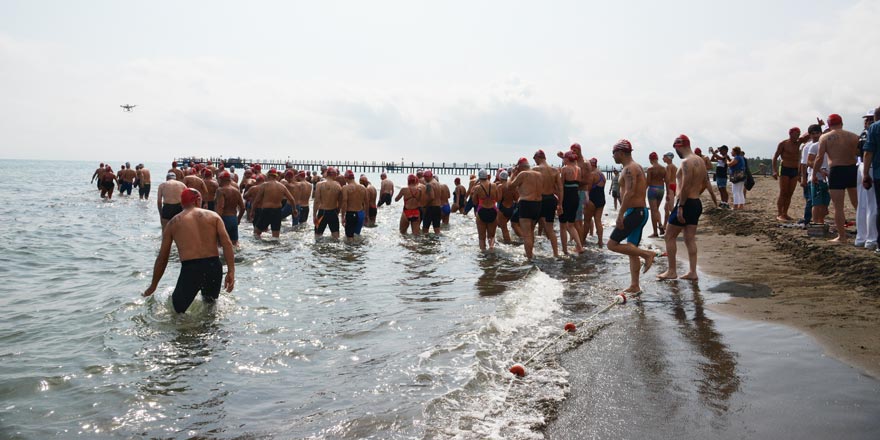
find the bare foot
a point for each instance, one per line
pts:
(690, 276)
(667, 276)
(601, 245)
(837, 240)
(781, 219)
(649, 261)
(654, 235)
(633, 290)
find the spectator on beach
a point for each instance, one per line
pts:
(721, 159)
(818, 187)
(737, 166)
(871, 166)
(805, 182)
(866, 214)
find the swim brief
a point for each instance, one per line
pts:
(487, 215)
(202, 274)
(529, 209)
(231, 224)
(597, 196)
(634, 221)
(548, 207)
(789, 172)
(507, 212)
(446, 209)
(269, 217)
(125, 187)
(169, 210)
(843, 177)
(692, 210)
(327, 217)
(412, 215)
(655, 192)
(672, 188)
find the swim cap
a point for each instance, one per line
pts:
(289, 174)
(349, 174)
(248, 173)
(412, 179)
(221, 166)
(174, 164)
(522, 161)
(458, 181)
(834, 119)
(793, 130)
(570, 156)
(681, 141)
(261, 178)
(428, 174)
(207, 173)
(503, 175)
(272, 171)
(576, 147)
(698, 151)
(302, 174)
(189, 196)
(652, 156)
(669, 154)
(170, 176)
(383, 175)
(225, 176)
(539, 154)
(258, 167)
(483, 174)
(623, 145)
(128, 164)
(332, 171)
(101, 165)
(192, 171)
(594, 161)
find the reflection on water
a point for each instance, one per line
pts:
(719, 378)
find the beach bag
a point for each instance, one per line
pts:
(750, 181)
(737, 176)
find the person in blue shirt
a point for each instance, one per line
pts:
(872, 159)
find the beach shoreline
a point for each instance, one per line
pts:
(827, 291)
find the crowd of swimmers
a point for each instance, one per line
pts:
(832, 165)
(200, 205)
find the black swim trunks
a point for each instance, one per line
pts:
(203, 274)
(634, 221)
(211, 206)
(371, 213)
(529, 209)
(433, 215)
(269, 217)
(327, 217)
(169, 210)
(385, 199)
(692, 210)
(789, 172)
(303, 214)
(548, 207)
(843, 177)
(144, 190)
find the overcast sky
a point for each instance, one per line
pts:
(425, 81)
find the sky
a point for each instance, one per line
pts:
(451, 81)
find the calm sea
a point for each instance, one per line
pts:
(389, 337)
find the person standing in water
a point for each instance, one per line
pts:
(486, 196)
(570, 202)
(632, 216)
(230, 206)
(196, 233)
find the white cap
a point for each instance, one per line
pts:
(503, 175)
(869, 114)
(483, 174)
(170, 176)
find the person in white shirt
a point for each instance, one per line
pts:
(819, 195)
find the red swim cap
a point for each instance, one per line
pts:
(570, 156)
(174, 164)
(189, 196)
(522, 161)
(623, 145)
(207, 173)
(539, 154)
(457, 181)
(272, 171)
(682, 141)
(698, 151)
(412, 179)
(302, 174)
(258, 167)
(193, 172)
(594, 161)
(349, 174)
(794, 130)
(332, 171)
(576, 147)
(428, 174)
(289, 174)
(261, 178)
(834, 119)
(225, 176)
(652, 156)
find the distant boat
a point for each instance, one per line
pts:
(390, 167)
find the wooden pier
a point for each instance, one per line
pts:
(454, 168)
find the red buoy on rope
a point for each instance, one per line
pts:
(621, 298)
(518, 370)
(570, 327)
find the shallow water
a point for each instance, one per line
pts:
(391, 337)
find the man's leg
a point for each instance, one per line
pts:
(690, 241)
(837, 198)
(550, 233)
(527, 227)
(655, 215)
(671, 251)
(792, 185)
(634, 254)
(808, 205)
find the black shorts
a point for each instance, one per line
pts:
(529, 209)
(634, 221)
(548, 207)
(843, 177)
(372, 213)
(211, 206)
(169, 210)
(432, 217)
(203, 274)
(789, 172)
(487, 215)
(269, 217)
(303, 214)
(144, 190)
(692, 210)
(385, 199)
(328, 217)
(107, 186)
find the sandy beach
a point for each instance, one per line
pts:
(828, 291)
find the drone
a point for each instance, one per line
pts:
(128, 107)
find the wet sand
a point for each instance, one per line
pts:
(829, 291)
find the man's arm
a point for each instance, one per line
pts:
(162, 259)
(159, 198)
(775, 161)
(219, 201)
(627, 196)
(228, 253)
(343, 207)
(289, 195)
(820, 153)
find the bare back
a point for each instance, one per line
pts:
(529, 184)
(229, 201)
(633, 185)
(354, 197)
(169, 192)
(656, 175)
(693, 175)
(328, 195)
(841, 146)
(195, 231)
